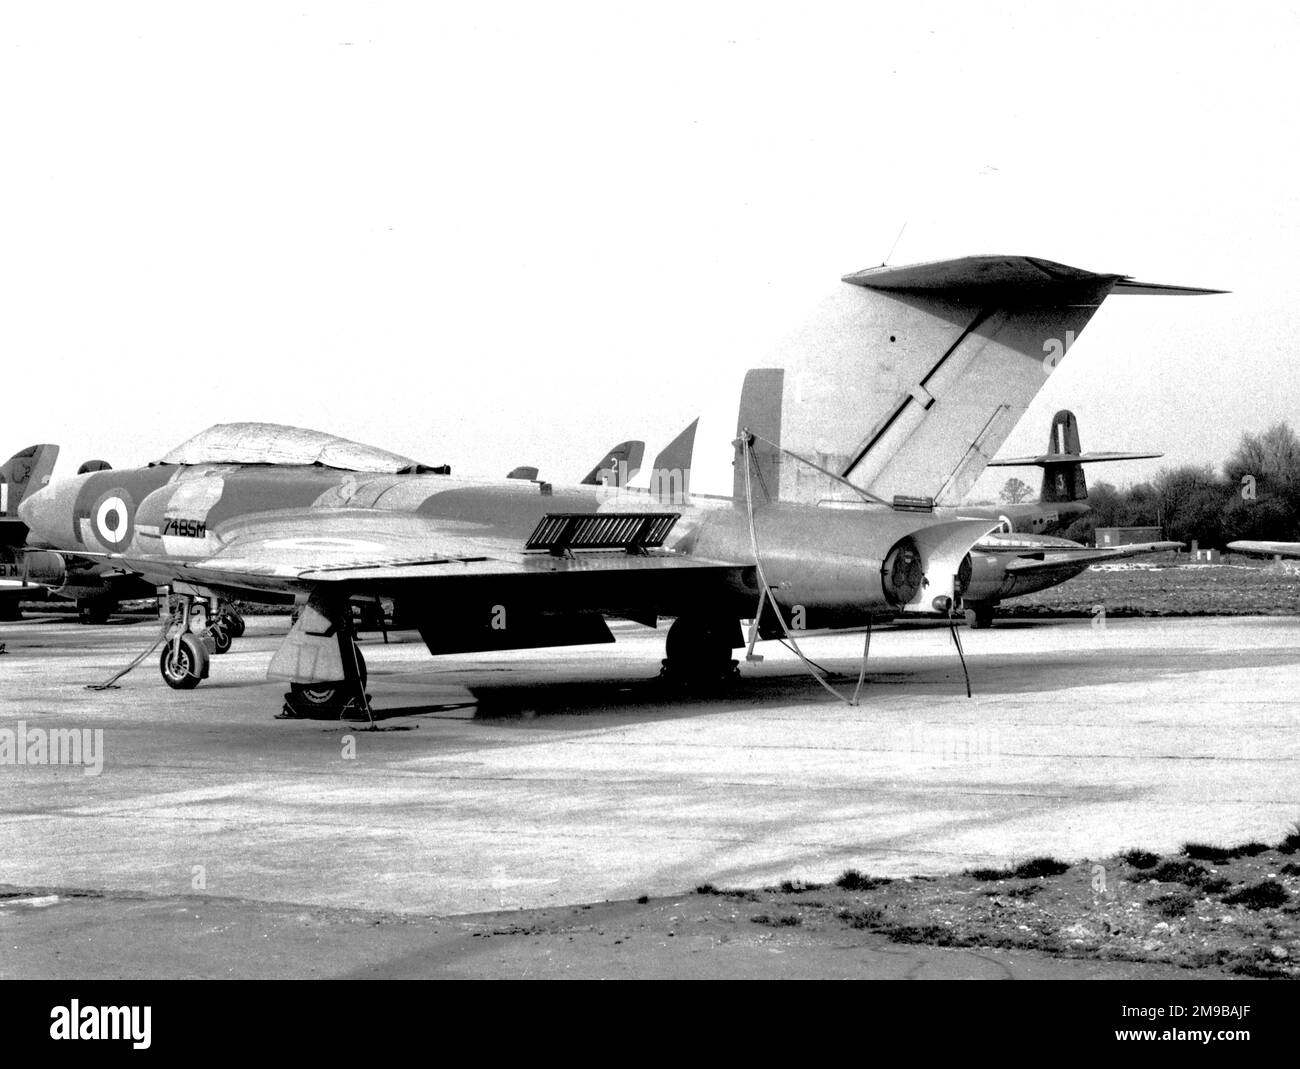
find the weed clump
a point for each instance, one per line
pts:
(1174, 904)
(1219, 854)
(781, 920)
(853, 880)
(866, 917)
(1188, 873)
(1140, 859)
(1267, 894)
(1026, 870)
(798, 887)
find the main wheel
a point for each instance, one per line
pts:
(699, 648)
(234, 623)
(184, 666)
(94, 610)
(325, 699)
(221, 636)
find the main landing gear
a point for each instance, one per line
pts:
(699, 649)
(320, 659)
(344, 699)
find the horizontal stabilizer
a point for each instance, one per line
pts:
(1084, 557)
(1043, 459)
(1022, 273)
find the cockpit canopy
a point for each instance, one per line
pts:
(274, 443)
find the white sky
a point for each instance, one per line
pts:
(517, 233)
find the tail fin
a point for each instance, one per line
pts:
(618, 467)
(909, 379)
(760, 415)
(670, 478)
(1063, 462)
(25, 472)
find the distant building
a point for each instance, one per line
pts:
(1127, 536)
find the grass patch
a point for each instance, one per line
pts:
(1291, 843)
(780, 920)
(1188, 873)
(853, 880)
(1041, 866)
(866, 917)
(1219, 854)
(1026, 870)
(1290, 869)
(930, 934)
(709, 889)
(1174, 904)
(988, 874)
(1140, 859)
(798, 887)
(1268, 894)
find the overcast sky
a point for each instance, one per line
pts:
(502, 234)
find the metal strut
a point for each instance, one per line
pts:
(765, 591)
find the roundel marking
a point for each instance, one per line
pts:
(113, 518)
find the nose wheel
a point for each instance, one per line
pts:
(186, 656)
(184, 662)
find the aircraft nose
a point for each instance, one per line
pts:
(48, 515)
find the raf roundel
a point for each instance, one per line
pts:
(113, 518)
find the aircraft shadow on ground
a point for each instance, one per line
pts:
(529, 702)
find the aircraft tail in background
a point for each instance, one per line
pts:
(23, 473)
(619, 465)
(1062, 464)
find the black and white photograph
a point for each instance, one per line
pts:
(711, 491)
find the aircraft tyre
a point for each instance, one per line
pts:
(183, 667)
(94, 611)
(222, 637)
(234, 623)
(323, 700)
(979, 615)
(699, 648)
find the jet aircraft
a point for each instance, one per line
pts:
(1265, 549)
(945, 350)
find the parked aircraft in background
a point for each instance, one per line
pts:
(1063, 496)
(1265, 549)
(1006, 564)
(261, 511)
(1010, 566)
(25, 472)
(96, 586)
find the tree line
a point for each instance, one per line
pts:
(1257, 496)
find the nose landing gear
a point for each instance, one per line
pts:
(185, 658)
